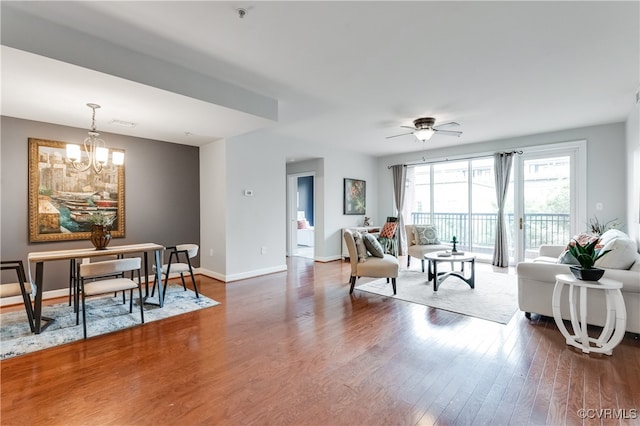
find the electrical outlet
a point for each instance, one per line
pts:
(210, 252)
(263, 250)
(599, 206)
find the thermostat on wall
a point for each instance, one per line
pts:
(248, 192)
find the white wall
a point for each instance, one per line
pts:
(338, 167)
(254, 222)
(606, 164)
(633, 176)
(257, 161)
(213, 212)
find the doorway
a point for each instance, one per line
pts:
(549, 198)
(301, 213)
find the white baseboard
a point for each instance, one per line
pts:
(328, 258)
(244, 275)
(50, 294)
(211, 274)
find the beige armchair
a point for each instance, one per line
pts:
(374, 267)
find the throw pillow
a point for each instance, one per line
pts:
(360, 247)
(612, 234)
(373, 245)
(411, 235)
(426, 234)
(622, 254)
(388, 230)
(303, 224)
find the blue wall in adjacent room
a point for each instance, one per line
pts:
(305, 197)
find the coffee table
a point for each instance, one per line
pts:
(439, 277)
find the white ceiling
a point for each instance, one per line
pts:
(345, 74)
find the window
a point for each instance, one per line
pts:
(458, 198)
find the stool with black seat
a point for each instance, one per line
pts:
(20, 288)
(179, 262)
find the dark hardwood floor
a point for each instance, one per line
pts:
(296, 348)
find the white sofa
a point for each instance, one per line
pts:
(418, 251)
(536, 281)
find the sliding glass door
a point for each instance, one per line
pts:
(547, 208)
(451, 202)
(545, 202)
(458, 197)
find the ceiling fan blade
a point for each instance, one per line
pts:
(451, 123)
(449, 132)
(395, 136)
(409, 127)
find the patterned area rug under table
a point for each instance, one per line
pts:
(104, 315)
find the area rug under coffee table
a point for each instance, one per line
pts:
(494, 297)
(104, 315)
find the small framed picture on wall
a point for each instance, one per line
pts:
(355, 196)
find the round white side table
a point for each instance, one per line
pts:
(616, 321)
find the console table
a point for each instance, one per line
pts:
(616, 309)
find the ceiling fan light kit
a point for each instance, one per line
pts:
(424, 134)
(424, 128)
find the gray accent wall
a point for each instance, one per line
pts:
(162, 194)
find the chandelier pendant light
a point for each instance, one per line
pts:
(95, 148)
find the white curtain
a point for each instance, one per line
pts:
(399, 181)
(502, 167)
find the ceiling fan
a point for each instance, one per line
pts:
(424, 129)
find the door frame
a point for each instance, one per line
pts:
(292, 210)
(577, 150)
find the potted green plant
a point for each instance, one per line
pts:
(586, 255)
(101, 229)
(599, 228)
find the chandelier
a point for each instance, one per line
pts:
(95, 148)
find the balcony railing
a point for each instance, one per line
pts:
(539, 228)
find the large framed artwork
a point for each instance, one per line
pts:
(355, 196)
(62, 200)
